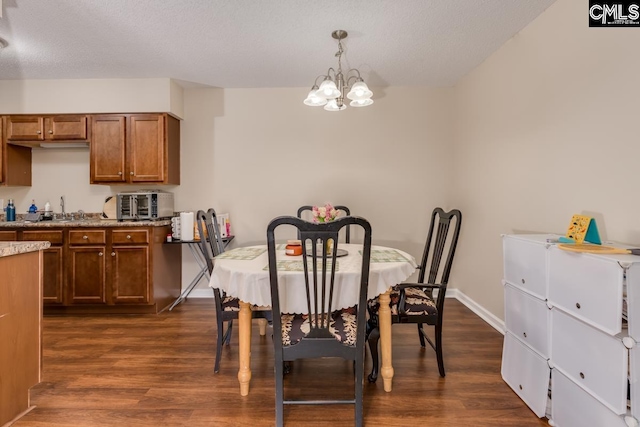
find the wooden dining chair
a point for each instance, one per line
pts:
(344, 209)
(325, 330)
(227, 307)
(415, 302)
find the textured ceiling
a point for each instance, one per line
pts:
(256, 43)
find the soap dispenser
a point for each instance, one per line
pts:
(47, 210)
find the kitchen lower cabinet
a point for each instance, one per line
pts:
(106, 269)
(53, 268)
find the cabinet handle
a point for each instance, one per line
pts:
(38, 132)
(128, 237)
(85, 237)
(131, 173)
(50, 132)
(100, 254)
(113, 254)
(523, 281)
(578, 305)
(520, 385)
(525, 334)
(119, 173)
(581, 375)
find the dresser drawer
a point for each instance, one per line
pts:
(527, 373)
(587, 286)
(87, 237)
(53, 236)
(595, 361)
(124, 237)
(525, 263)
(633, 298)
(527, 317)
(573, 407)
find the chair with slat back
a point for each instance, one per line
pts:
(326, 330)
(415, 302)
(344, 209)
(227, 307)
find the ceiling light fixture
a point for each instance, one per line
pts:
(331, 91)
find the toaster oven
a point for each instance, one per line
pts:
(144, 205)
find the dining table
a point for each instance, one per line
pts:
(244, 273)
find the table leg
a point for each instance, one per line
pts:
(262, 323)
(384, 317)
(244, 374)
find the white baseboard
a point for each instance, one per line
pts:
(480, 311)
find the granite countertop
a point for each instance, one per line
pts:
(90, 221)
(14, 248)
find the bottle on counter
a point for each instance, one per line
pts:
(47, 210)
(11, 211)
(33, 208)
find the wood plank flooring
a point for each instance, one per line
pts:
(152, 370)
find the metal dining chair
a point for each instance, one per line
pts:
(323, 331)
(415, 302)
(227, 307)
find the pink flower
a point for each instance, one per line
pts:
(324, 213)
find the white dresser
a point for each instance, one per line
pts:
(573, 328)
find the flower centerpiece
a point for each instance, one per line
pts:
(324, 213)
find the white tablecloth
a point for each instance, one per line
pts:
(248, 279)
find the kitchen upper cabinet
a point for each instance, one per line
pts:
(15, 161)
(135, 148)
(47, 128)
(107, 152)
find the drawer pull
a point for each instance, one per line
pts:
(523, 281)
(85, 237)
(520, 385)
(128, 237)
(578, 305)
(100, 254)
(581, 375)
(525, 334)
(50, 132)
(113, 254)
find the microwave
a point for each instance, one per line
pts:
(144, 205)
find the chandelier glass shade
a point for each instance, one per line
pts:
(331, 91)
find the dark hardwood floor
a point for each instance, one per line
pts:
(157, 370)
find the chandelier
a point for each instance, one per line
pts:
(331, 92)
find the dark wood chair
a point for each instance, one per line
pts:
(344, 209)
(415, 302)
(321, 332)
(227, 307)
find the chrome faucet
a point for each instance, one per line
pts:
(62, 206)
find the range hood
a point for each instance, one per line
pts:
(51, 144)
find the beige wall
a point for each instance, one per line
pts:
(546, 128)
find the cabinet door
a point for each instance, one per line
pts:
(147, 148)
(107, 149)
(25, 128)
(86, 275)
(66, 128)
(130, 274)
(52, 276)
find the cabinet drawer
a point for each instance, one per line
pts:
(525, 263)
(633, 299)
(124, 237)
(86, 237)
(527, 373)
(587, 286)
(595, 361)
(53, 236)
(8, 236)
(527, 317)
(572, 406)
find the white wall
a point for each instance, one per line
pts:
(261, 153)
(546, 128)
